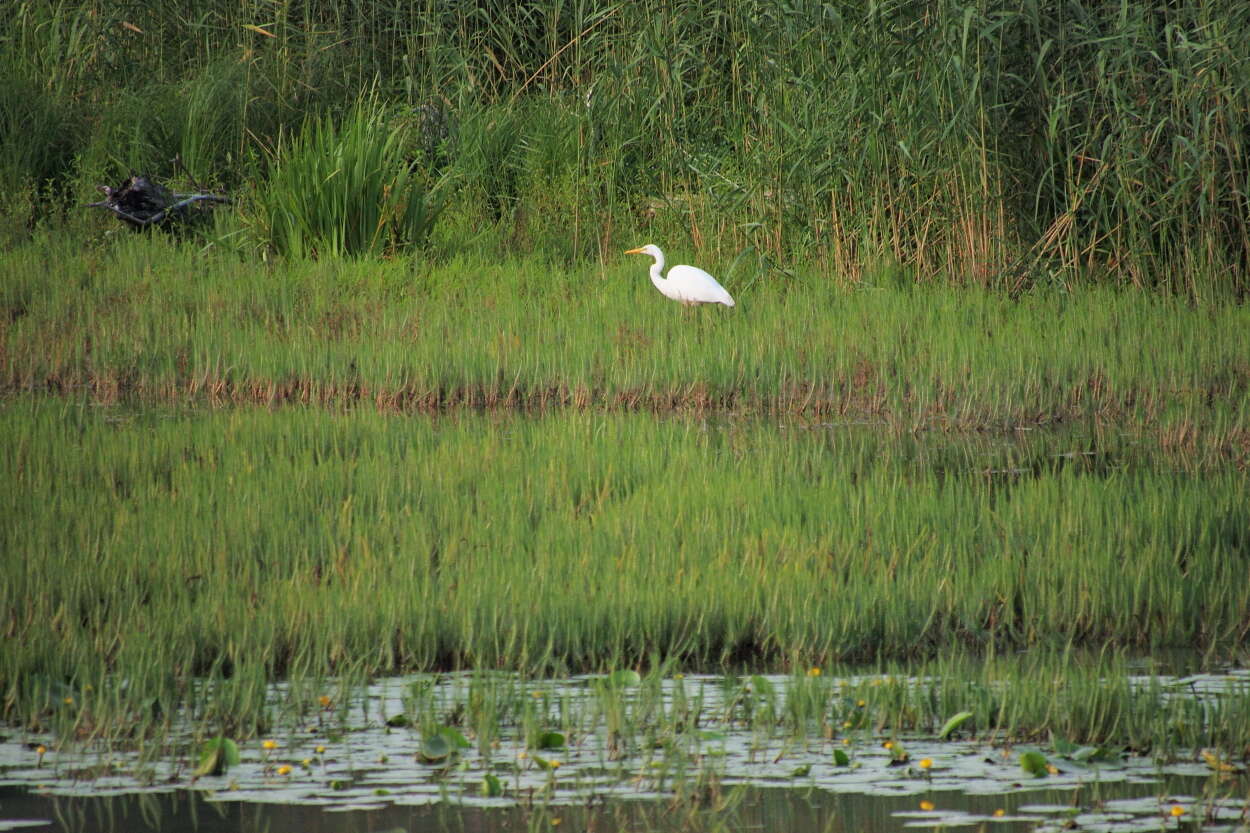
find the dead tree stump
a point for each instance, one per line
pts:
(142, 202)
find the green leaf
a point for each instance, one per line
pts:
(544, 764)
(211, 763)
(624, 678)
(1034, 763)
(491, 786)
(840, 758)
(398, 721)
(801, 771)
(550, 740)
(954, 723)
(231, 752)
(761, 686)
(453, 737)
(217, 756)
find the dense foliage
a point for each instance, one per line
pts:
(995, 143)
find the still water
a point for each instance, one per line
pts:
(373, 768)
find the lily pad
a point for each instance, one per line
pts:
(435, 749)
(550, 740)
(624, 678)
(1089, 753)
(1034, 763)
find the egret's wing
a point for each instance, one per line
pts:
(695, 285)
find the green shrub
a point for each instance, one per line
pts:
(346, 188)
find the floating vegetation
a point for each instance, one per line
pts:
(691, 740)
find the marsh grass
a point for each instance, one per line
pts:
(161, 547)
(1052, 460)
(166, 323)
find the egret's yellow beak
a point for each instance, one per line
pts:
(637, 251)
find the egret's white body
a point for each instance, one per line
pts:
(687, 285)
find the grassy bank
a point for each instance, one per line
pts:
(1058, 142)
(158, 546)
(169, 324)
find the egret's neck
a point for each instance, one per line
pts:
(657, 270)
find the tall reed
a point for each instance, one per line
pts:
(345, 189)
(1054, 142)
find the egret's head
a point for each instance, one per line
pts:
(648, 249)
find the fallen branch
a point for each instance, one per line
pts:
(141, 202)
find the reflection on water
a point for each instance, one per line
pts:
(804, 810)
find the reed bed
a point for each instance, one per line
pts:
(156, 547)
(165, 323)
(1054, 143)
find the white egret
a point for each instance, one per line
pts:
(688, 285)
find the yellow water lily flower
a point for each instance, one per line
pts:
(1214, 761)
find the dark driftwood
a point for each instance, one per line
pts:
(141, 202)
